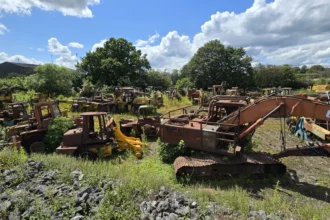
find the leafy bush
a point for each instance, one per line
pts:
(87, 89)
(61, 97)
(10, 157)
(184, 83)
(247, 143)
(55, 131)
(168, 153)
(53, 79)
(16, 82)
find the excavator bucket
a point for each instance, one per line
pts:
(131, 143)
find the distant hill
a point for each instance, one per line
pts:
(18, 68)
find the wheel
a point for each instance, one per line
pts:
(37, 147)
(30, 138)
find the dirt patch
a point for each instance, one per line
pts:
(310, 176)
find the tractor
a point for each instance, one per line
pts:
(30, 135)
(97, 137)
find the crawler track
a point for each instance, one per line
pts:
(208, 166)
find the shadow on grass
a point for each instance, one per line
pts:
(255, 184)
(116, 157)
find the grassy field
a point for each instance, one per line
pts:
(301, 194)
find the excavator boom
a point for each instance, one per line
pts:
(291, 106)
(228, 132)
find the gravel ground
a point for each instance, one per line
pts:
(34, 191)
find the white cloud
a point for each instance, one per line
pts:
(172, 52)
(293, 32)
(323, 53)
(97, 45)
(78, 8)
(3, 29)
(55, 47)
(151, 40)
(76, 45)
(17, 58)
(65, 54)
(67, 60)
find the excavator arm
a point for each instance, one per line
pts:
(276, 106)
(254, 114)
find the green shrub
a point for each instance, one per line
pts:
(61, 97)
(247, 143)
(168, 152)
(10, 157)
(144, 137)
(55, 131)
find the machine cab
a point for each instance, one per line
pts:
(95, 129)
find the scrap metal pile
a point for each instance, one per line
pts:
(124, 99)
(219, 125)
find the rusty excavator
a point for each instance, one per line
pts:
(223, 133)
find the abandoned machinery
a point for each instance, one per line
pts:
(222, 131)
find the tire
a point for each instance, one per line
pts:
(29, 139)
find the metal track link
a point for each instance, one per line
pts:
(253, 163)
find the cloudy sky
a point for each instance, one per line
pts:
(293, 32)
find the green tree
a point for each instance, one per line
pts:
(117, 63)
(184, 83)
(296, 69)
(13, 82)
(287, 74)
(274, 76)
(158, 78)
(316, 69)
(87, 89)
(53, 79)
(14, 75)
(214, 63)
(175, 75)
(303, 69)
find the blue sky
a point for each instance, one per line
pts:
(268, 30)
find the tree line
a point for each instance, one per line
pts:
(120, 63)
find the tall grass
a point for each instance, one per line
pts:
(172, 104)
(303, 91)
(150, 173)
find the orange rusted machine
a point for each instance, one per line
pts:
(30, 135)
(224, 135)
(98, 136)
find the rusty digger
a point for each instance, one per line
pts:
(98, 136)
(223, 135)
(91, 134)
